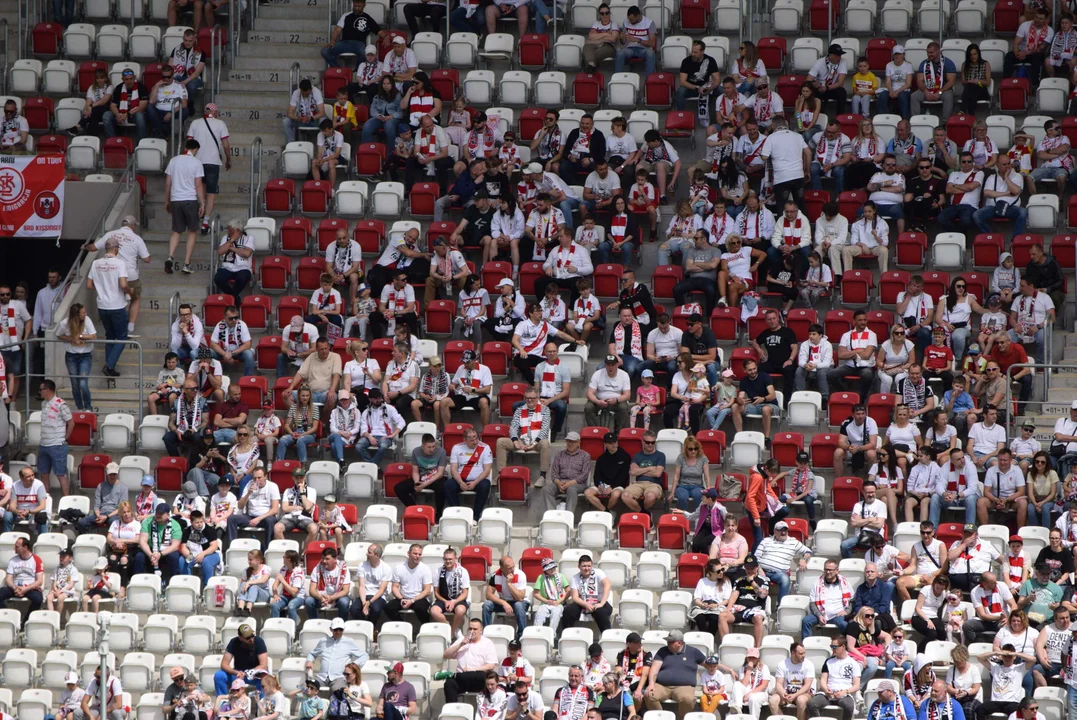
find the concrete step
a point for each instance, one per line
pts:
(309, 62)
(281, 51)
(302, 23)
(255, 108)
(299, 8)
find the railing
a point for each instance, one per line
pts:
(132, 29)
(175, 129)
(255, 187)
(295, 74)
(215, 63)
(1011, 417)
(235, 24)
(7, 63)
(173, 309)
(214, 230)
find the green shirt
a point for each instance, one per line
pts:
(544, 581)
(311, 706)
(177, 532)
(1042, 595)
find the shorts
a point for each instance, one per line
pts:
(317, 396)
(654, 166)
(13, 361)
(441, 606)
(99, 592)
(185, 216)
(758, 409)
(472, 241)
(212, 178)
(747, 282)
(637, 490)
(745, 615)
(459, 401)
(135, 288)
(52, 458)
(295, 523)
(427, 405)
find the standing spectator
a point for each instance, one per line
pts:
(673, 675)
(44, 303)
(374, 577)
(57, 425)
(257, 507)
(589, 595)
(506, 592)
(608, 393)
(159, 545)
(789, 158)
(108, 277)
(235, 252)
(350, 34)
(330, 587)
(245, 659)
(213, 147)
(935, 79)
(412, 587)
(25, 577)
(638, 41)
(186, 201)
(127, 105)
(305, 110)
(839, 681)
(14, 328)
(132, 249)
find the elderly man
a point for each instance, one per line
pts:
(876, 594)
(106, 499)
(475, 655)
(470, 463)
(747, 603)
(969, 558)
(159, 545)
(574, 701)
(792, 236)
(412, 587)
(529, 432)
(334, 653)
(506, 592)
(589, 595)
(257, 507)
(794, 683)
(25, 577)
(321, 372)
(839, 682)
(673, 675)
(608, 393)
(246, 652)
(831, 599)
(993, 603)
(776, 554)
(1003, 489)
(569, 473)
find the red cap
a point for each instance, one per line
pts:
(1017, 538)
(398, 668)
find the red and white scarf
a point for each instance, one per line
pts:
(397, 300)
(636, 343)
(470, 463)
(480, 142)
(531, 422)
(828, 151)
(955, 483)
(1050, 143)
(619, 227)
(718, 228)
(791, 233)
(427, 145)
(992, 603)
(1016, 565)
(582, 146)
(1036, 36)
(128, 98)
(821, 589)
(572, 704)
(727, 105)
(299, 343)
(510, 156)
(873, 147)
(548, 380)
(563, 258)
(10, 326)
(764, 108)
(742, 224)
(586, 306)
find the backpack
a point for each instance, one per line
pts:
(339, 708)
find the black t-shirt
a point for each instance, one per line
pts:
(357, 26)
(699, 345)
(748, 593)
(1061, 562)
(757, 387)
(613, 469)
(244, 656)
(863, 637)
(625, 348)
(778, 344)
(699, 72)
(134, 96)
(478, 222)
(918, 186)
(497, 185)
(202, 538)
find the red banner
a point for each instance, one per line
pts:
(31, 195)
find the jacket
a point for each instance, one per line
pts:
(381, 106)
(1046, 277)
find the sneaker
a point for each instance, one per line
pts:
(187, 268)
(540, 482)
(205, 228)
(110, 372)
(722, 302)
(74, 131)
(562, 506)
(133, 336)
(168, 265)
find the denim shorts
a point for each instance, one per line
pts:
(758, 409)
(212, 178)
(13, 361)
(52, 458)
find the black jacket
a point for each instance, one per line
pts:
(1046, 276)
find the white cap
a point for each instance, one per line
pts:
(1073, 405)
(112, 469)
(371, 49)
(533, 169)
(337, 624)
(100, 563)
(71, 678)
(898, 49)
(397, 40)
(505, 282)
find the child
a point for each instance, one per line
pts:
(939, 359)
(898, 653)
(344, 115)
(330, 143)
(325, 307)
(1021, 156)
(587, 235)
(722, 405)
(818, 280)
(310, 705)
(715, 685)
(993, 323)
(192, 702)
(699, 194)
(98, 586)
(509, 153)
(783, 280)
(587, 313)
(865, 85)
(71, 698)
(697, 391)
(1005, 279)
(367, 76)
(1069, 487)
(169, 384)
(958, 403)
(237, 703)
(273, 705)
(187, 502)
(356, 326)
(953, 615)
(333, 522)
(403, 148)
(65, 582)
(1025, 447)
(255, 585)
(222, 505)
(459, 122)
(643, 197)
(802, 486)
(974, 366)
(647, 400)
(553, 307)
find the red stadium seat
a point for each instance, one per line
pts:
(47, 39)
(822, 449)
(788, 87)
(690, 568)
(890, 284)
(714, 444)
(813, 203)
(370, 234)
(773, 52)
(494, 272)
(880, 322)
(477, 560)
(879, 53)
(315, 197)
(631, 440)
(266, 352)
(529, 273)
(672, 532)
(959, 128)
(87, 70)
(213, 309)
(534, 50)
(836, 323)
(910, 250)
(370, 159)
(435, 230)
(279, 196)
(289, 307)
(856, 287)
(445, 81)
(453, 354)
(171, 472)
(785, 447)
(382, 350)
(1013, 95)
(312, 553)
(531, 120)
(327, 233)
(737, 359)
(253, 389)
(1006, 18)
(417, 522)
(822, 16)
(679, 124)
(453, 434)
(1021, 245)
(513, 484)
(591, 440)
(333, 79)
(658, 89)
(280, 473)
(977, 283)
(633, 530)
(255, 311)
(664, 278)
(493, 432)
(881, 408)
(849, 202)
(936, 284)
(421, 199)
(508, 395)
(1064, 250)
(531, 560)
(38, 113)
(439, 317)
(92, 470)
(274, 273)
(588, 89)
(608, 280)
(846, 493)
(395, 473)
(850, 127)
(724, 323)
(51, 144)
(308, 274)
(117, 151)
(695, 16)
(986, 248)
(497, 356)
(295, 236)
(840, 407)
(280, 387)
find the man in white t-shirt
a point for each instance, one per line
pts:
(163, 94)
(1053, 159)
(992, 602)
(790, 161)
(470, 466)
(132, 249)
(828, 73)
(794, 682)
(664, 344)
(986, 439)
(869, 515)
(506, 592)
(257, 508)
(1002, 193)
(1008, 668)
(589, 595)
(887, 190)
(374, 578)
(524, 703)
(609, 391)
(839, 682)
(970, 557)
(235, 254)
(964, 188)
(1004, 489)
(305, 109)
(1030, 314)
(638, 42)
(185, 199)
(412, 587)
(14, 129)
(108, 277)
(1030, 45)
(212, 136)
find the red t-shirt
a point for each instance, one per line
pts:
(937, 358)
(1015, 356)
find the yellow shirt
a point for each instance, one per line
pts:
(347, 111)
(865, 84)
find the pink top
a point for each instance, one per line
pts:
(647, 394)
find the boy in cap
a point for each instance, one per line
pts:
(333, 522)
(515, 667)
(71, 698)
(551, 592)
(310, 705)
(98, 586)
(66, 580)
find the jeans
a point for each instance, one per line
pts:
(9, 522)
(292, 606)
(821, 380)
(811, 620)
(969, 503)
(870, 669)
(568, 207)
(224, 435)
(848, 545)
(372, 125)
(343, 605)
(1041, 348)
(78, 367)
(635, 366)
(605, 248)
(1071, 704)
(115, 324)
(891, 666)
(109, 120)
(715, 417)
(203, 480)
(331, 54)
(337, 443)
(291, 127)
(246, 357)
(169, 565)
(1017, 215)
(519, 609)
(459, 20)
(558, 412)
(452, 495)
(363, 448)
(207, 569)
(635, 52)
(157, 120)
(232, 283)
(882, 101)
(781, 579)
(688, 493)
(676, 245)
(542, 11)
(956, 217)
(63, 11)
(1041, 517)
(186, 354)
(301, 445)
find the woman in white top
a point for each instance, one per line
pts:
(357, 692)
(963, 680)
(710, 597)
(122, 540)
(954, 313)
(78, 354)
(506, 229)
(362, 373)
(471, 311)
(941, 435)
(925, 618)
(1016, 632)
(889, 478)
(868, 151)
(732, 186)
(244, 456)
(98, 97)
(894, 358)
(747, 68)
(904, 436)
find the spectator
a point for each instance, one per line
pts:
(626, 339)
(701, 261)
(993, 602)
(475, 656)
(638, 41)
(1029, 315)
(98, 102)
(828, 73)
(428, 472)
(877, 594)
(681, 663)
(173, 693)
(320, 374)
(326, 306)
(1006, 673)
(698, 76)
(159, 545)
(1038, 594)
(245, 659)
(186, 201)
(747, 604)
(108, 277)
(212, 137)
(691, 477)
(1044, 272)
(924, 196)
(960, 487)
(235, 252)
(187, 334)
(374, 578)
(25, 577)
(833, 152)
(400, 380)
(790, 160)
(1015, 564)
(794, 681)
(297, 506)
(65, 582)
(831, 600)
(470, 464)
(300, 426)
(431, 158)
(451, 593)
(397, 699)
(1030, 46)
(448, 271)
(839, 681)
(923, 482)
(776, 554)
(551, 591)
(161, 109)
(755, 396)
(612, 473)
(863, 633)
(132, 249)
(345, 426)
(350, 33)
(106, 501)
(583, 151)
(664, 344)
(1051, 648)
(856, 351)
(964, 188)
(970, 558)
(906, 147)
(114, 697)
(648, 468)
(257, 507)
(777, 349)
(1003, 489)
(127, 105)
(569, 471)
(305, 110)
(891, 704)
(1003, 192)
(935, 79)
(412, 587)
(506, 592)
(378, 427)
(754, 681)
(608, 393)
(472, 386)
(589, 596)
(857, 438)
(334, 654)
(815, 358)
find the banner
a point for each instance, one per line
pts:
(31, 195)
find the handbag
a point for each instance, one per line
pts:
(729, 487)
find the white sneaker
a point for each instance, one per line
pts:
(540, 482)
(722, 302)
(562, 506)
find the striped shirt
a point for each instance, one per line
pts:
(776, 555)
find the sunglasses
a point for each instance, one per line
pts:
(648, 442)
(925, 167)
(835, 647)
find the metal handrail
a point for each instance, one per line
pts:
(255, 188)
(133, 13)
(1011, 418)
(234, 25)
(215, 63)
(173, 309)
(295, 74)
(175, 130)
(7, 63)
(214, 230)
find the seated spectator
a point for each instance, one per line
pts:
(935, 79)
(673, 675)
(464, 192)
(379, 425)
(448, 271)
(611, 478)
(1029, 315)
(1038, 594)
(839, 682)
(1044, 272)
(986, 438)
(200, 548)
(709, 598)
(831, 600)
(626, 344)
(257, 508)
(245, 659)
(552, 591)
(1003, 489)
(747, 604)
(993, 602)
(472, 386)
(969, 559)
(924, 482)
(350, 33)
(876, 593)
(431, 158)
(328, 145)
(398, 698)
(924, 196)
(506, 592)
(235, 251)
(887, 705)
(964, 188)
(127, 105)
(451, 593)
(1003, 198)
(856, 353)
(300, 426)
(776, 553)
(583, 151)
(570, 472)
(794, 681)
(433, 394)
(187, 419)
(160, 109)
(869, 516)
(326, 307)
(114, 697)
(863, 634)
(98, 100)
(755, 396)
(159, 545)
(470, 463)
(386, 113)
(320, 373)
(476, 661)
(254, 584)
(374, 578)
(289, 587)
(608, 392)
(305, 110)
(25, 576)
(344, 261)
(589, 595)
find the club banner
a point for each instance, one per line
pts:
(31, 195)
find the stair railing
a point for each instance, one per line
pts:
(214, 233)
(175, 130)
(215, 63)
(255, 186)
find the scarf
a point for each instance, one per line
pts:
(636, 346)
(940, 711)
(247, 464)
(128, 98)
(144, 504)
(820, 589)
(1036, 37)
(469, 465)
(756, 149)
(801, 476)
(530, 422)
(831, 73)
(371, 411)
(563, 258)
(933, 74)
(480, 142)
(345, 418)
(510, 156)
(368, 73)
(227, 337)
(427, 145)
(872, 144)
(1050, 143)
(1016, 565)
(905, 147)
(914, 395)
(184, 60)
(572, 704)
(991, 603)
(550, 143)
(188, 415)
(656, 154)
(791, 233)
(436, 385)
(159, 540)
(397, 300)
(329, 580)
(10, 325)
(897, 714)
(549, 376)
(299, 343)
(981, 150)
(630, 669)
(828, 151)
(329, 145)
(619, 227)
(582, 146)
(323, 299)
(1021, 155)
(955, 482)
(717, 228)
(266, 424)
(589, 588)
(342, 258)
(451, 582)
(742, 224)
(763, 108)
(553, 586)
(1063, 44)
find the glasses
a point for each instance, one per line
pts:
(925, 167)
(992, 369)
(648, 442)
(962, 286)
(883, 457)
(232, 318)
(835, 647)
(603, 12)
(869, 615)
(966, 162)
(5, 294)
(241, 435)
(927, 532)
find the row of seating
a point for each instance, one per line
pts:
(142, 43)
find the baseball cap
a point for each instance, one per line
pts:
(994, 299)
(803, 457)
(267, 404)
(337, 624)
(728, 372)
(611, 359)
(112, 469)
(434, 361)
(190, 490)
(835, 49)
(711, 493)
(751, 652)
(162, 509)
(238, 684)
(246, 631)
(176, 672)
(330, 498)
(225, 480)
(1073, 405)
(1042, 567)
(342, 394)
(898, 49)
(467, 356)
(974, 348)
(505, 282)
(533, 169)
(711, 660)
(609, 437)
(647, 373)
(371, 49)
(397, 40)
(969, 528)
(633, 637)
(71, 678)
(376, 392)
(1017, 539)
(1028, 424)
(675, 636)
(573, 436)
(147, 481)
(130, 221)
(548, 564)
(100, 563)
(210, 108)
(782, 525)
(398, 668)
(750, 561)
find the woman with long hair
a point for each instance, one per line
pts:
(709, 597)
(421, 99)
(301, 425)
(895, 356)
(747, 68)
(680, 232)
(866, 642)
(1042, 487)
(941, 435)
(678, 392)
(868, 151)
(386, 113)
(806, 113)
(904, 436)
(78, 354)
(691, 476)
(889, 478)
(122, 540)
(730, 548)
(356, 691)
(732, 187)
(243, 457)
(613, 703)
(975, 79)
(954, 314)
(470, 311)
(98, 97)
(273, 705)
(622, 234)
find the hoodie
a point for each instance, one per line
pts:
(823, 352)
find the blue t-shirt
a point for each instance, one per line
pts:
(649, 460)
(963, 402)
(947, 68)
